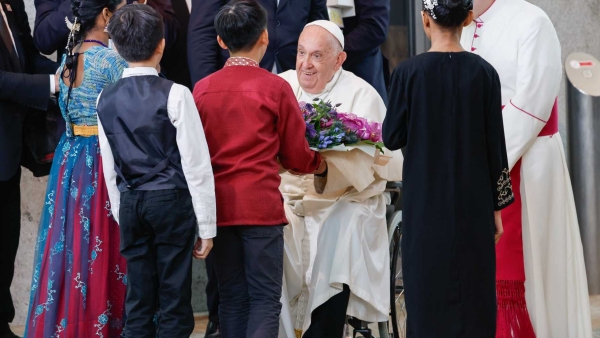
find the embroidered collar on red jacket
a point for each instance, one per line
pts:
(240, 61)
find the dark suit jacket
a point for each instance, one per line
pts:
(174, 63)
(19, 89)
(51, 33)
(286, 22)
(363, 34)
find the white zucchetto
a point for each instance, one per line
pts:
(331, 28)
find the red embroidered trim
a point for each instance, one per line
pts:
(535, 117)
(240, 61)
(478, 24)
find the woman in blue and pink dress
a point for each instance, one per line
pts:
(79, 281)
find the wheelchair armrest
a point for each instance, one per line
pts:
(393, 186)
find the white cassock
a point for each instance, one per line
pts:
(519, 40)
(339, 237)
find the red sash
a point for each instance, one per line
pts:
(551, 126)
(513, 318)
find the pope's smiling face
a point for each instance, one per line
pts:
(320, 55)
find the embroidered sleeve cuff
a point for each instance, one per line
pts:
(504, 191)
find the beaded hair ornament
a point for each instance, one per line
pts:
(429, 5)
(73, 29)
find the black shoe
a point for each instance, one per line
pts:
(212, 330)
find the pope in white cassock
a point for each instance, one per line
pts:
(541, 245)
(336, 258)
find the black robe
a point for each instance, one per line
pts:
(445, 108)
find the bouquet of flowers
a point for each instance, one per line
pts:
(327, 128)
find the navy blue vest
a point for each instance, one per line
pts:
(134, 116)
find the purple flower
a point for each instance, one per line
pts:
(308, 111)
(310, 129)
(324, 141)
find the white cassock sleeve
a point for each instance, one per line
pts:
(539, 72)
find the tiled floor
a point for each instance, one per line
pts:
(201, 321)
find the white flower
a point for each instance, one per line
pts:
(73, 26)
(430, 5)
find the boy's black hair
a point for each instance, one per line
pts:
(136, 30)
(240, 24)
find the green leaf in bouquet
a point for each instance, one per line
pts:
(378, 145)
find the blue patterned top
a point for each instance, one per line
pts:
(101, 66)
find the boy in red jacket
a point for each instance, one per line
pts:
(251, 120)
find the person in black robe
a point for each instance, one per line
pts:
(445, 111)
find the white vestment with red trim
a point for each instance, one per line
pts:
(519, 40)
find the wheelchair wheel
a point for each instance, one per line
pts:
(398, 307)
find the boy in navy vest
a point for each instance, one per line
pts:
(159, 178)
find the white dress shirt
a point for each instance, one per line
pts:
(52, 80)
(195, 158)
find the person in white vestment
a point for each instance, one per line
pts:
(541, 248)
(336, 259)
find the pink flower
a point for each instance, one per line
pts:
(351, 121)
(325, 123)
(358, 125)
(375, 132)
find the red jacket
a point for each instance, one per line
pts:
(251, 119)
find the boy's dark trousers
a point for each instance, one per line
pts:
(212, 290)
(158, 232)
(250, 276)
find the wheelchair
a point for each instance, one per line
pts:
(395, 327)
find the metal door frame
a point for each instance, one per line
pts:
(418, 42)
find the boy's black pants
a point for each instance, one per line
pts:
(250, 276)
(158, 232)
